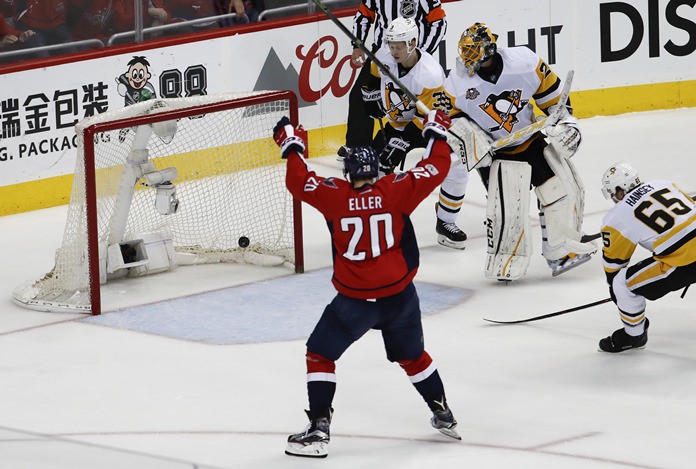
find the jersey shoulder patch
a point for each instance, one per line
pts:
(330, 182)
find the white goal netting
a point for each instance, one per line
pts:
(171, 182)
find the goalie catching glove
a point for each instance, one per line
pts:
(289, 138)
(565, 135)
(435, 125)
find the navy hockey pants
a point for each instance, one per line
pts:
(346, 319)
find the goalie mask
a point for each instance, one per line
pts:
(361, 163)
(619, 176)
(476, 45)
(402, 30)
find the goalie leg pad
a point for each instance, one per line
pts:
(569, 178)
(509, 246)
(561, 200)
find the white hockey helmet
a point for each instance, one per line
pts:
(619, 176)
(402, 30)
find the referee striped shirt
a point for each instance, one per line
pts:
(428, 14)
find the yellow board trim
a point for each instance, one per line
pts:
(35, 195)
(637, 98)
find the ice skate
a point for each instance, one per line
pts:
(568, 262)
(444, 422)
(313, 442)
(449, 234)
(620, 341)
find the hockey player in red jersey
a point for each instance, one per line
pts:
(375, 260)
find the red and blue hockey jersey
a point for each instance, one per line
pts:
(375, 253)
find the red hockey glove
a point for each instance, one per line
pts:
(435, 125)
(289, 138)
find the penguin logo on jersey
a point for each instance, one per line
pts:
(503, 109)
(397, 103)
(472, 93)
(408, 9)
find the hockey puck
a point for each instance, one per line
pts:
(243, 242)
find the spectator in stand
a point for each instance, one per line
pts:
(9, 8)
(12, 38)
(91, 19)
(154, 13)
(190, 10)
(99, 19)
(47, 18)
(247, 11)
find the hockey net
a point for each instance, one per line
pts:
(171, 182)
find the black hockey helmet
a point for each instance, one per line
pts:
(361, 163)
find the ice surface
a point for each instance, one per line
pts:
(219, 378)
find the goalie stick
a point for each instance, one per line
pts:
(542, 123)
(479, 155)
(550, 315)
(515, 137)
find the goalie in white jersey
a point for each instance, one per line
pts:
(659, 217)
(493, 87)
(421, 74)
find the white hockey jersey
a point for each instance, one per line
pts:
(503, 107)
(426, 80)
(656, 215)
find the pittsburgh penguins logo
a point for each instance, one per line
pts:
(503, 109)
(472, 93)
(408, 9)
(397, 103)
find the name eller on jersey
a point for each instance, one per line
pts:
(364, 203)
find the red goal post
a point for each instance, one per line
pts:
(171, 182)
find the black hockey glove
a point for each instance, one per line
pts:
(393, 155)
(373, 103)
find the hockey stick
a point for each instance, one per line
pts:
(511, 139)
(557, 313)
(590, 237)
(479, 155)
(542, 123)
(419, 104)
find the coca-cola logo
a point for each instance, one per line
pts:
(324, 54)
